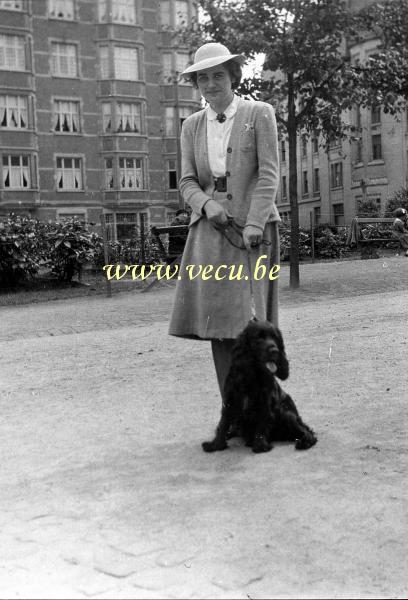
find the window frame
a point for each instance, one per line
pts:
(20, 110)
(70, 101)
(21, 9)
(62, 2)
(55, 58)
(375, 146)
(316, 180)
(170, 171)
(19, 48)
(333, 177)
(119, 62)
(103, 4)
(123, 172)
(24, 170)
(73, 170)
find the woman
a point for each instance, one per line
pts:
(399, 228)
(230, 175)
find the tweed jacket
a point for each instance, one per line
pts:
(252, 165)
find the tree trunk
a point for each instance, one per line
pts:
(294, 207)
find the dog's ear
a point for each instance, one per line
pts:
(282, 368)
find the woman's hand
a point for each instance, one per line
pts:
(251, 236)
(215, 212)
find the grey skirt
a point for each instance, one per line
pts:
(209, 307)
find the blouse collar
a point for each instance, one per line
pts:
(229, 111)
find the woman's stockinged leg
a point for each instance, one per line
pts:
(222, 354)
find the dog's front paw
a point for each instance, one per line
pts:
(261, 444)
(214, 446)
(305, 442)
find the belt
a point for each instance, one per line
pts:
(220, 183)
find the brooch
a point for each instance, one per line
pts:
(249, 126)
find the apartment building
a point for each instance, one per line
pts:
(332, 183)
(91, 109)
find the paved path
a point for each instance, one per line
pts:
(107, 494)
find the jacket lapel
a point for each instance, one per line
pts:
(239, 120)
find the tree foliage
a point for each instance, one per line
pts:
(399, 199)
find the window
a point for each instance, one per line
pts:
(12, 53)
(182, 61)
(181, 7)
(358, 117)
(69, 173)
(16, 172)
(167, 69)
(338, 212)
(66, 116)
(130, 173)
(165, 15)
(315, 143)
(376, 115)
(170, 118)
(184, 112)
(126, 63)
(283, 151)
(123, 11)
(128, 117)
(284, 188)
(376, 146)
(316, 215)
(108, 173)
(61, 9)
(336, 175)
(359, 150)
(11, 5)
(169, 127)
(316, 181)
(106, 117)
(104, 62)
(64, 60)
(305, 184)
(171, 174)
(128, 225)
(304, 147)
(13, 112)
(334, 142)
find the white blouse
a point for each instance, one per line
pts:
(218, 136)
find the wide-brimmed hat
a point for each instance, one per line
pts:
(210, 55)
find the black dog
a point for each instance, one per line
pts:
(255, 406)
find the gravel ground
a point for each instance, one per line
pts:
(106, 493)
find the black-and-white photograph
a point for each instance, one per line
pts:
(203, 299)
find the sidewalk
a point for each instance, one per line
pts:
(106, 492)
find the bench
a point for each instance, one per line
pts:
(368, 244)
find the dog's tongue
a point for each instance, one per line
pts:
(271, 367)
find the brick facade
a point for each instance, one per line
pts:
(89, 111)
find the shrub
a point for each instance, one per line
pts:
(330, 242)
(71, 245)
(22, 248)
(305, 248)
(398, 199)
(368, 208)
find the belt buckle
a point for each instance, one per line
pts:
(220, 184)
